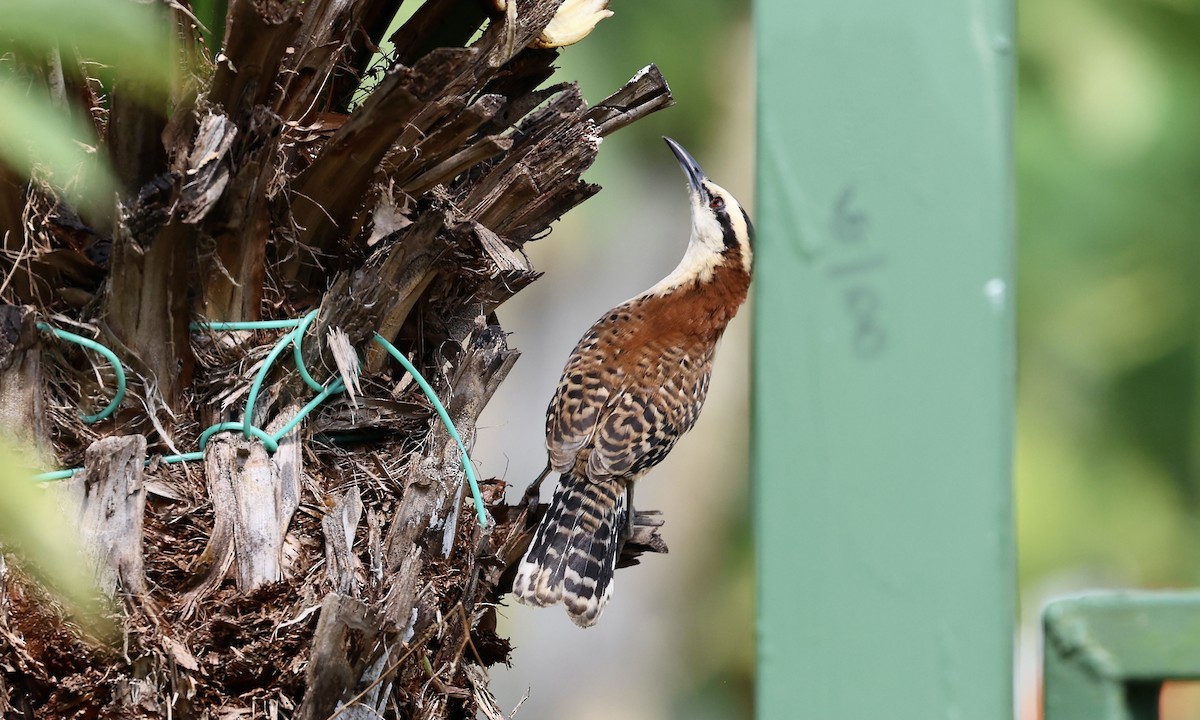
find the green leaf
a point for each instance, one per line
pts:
(34, 528)
(37, 134)
(134, 38)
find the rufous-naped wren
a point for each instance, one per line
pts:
(633, 385)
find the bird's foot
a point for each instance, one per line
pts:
(533, 494)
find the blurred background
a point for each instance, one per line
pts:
(1107, 468)
(1108, 163)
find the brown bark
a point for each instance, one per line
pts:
(109, 499)
(22, 408)
(237, 213)
(135, 138)
(12, 207)
(258, 34)
(148, 306)
(345, 572)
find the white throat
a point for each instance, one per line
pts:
(706, 246)
(698, 263)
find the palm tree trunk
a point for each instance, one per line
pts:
(343, 573)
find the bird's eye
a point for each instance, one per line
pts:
(717, 203)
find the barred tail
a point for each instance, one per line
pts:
(574, 552)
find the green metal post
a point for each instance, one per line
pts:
(1107, 655)
(884, 359)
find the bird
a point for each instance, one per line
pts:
(634, 384)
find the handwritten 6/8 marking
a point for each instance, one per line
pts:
(860, 298)
(868, 339)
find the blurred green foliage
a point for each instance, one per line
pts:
(42, 126)
(695, 45)
(35, 527)
(1108, 150)
(46, 133)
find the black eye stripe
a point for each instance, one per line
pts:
(727, 233)
(749, 226)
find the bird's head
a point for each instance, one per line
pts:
(721, 230)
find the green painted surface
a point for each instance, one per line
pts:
(1107, 655)
(884, 360)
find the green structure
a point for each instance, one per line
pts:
(1107, 655)
(884, 360)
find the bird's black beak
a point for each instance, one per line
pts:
(691, 168)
